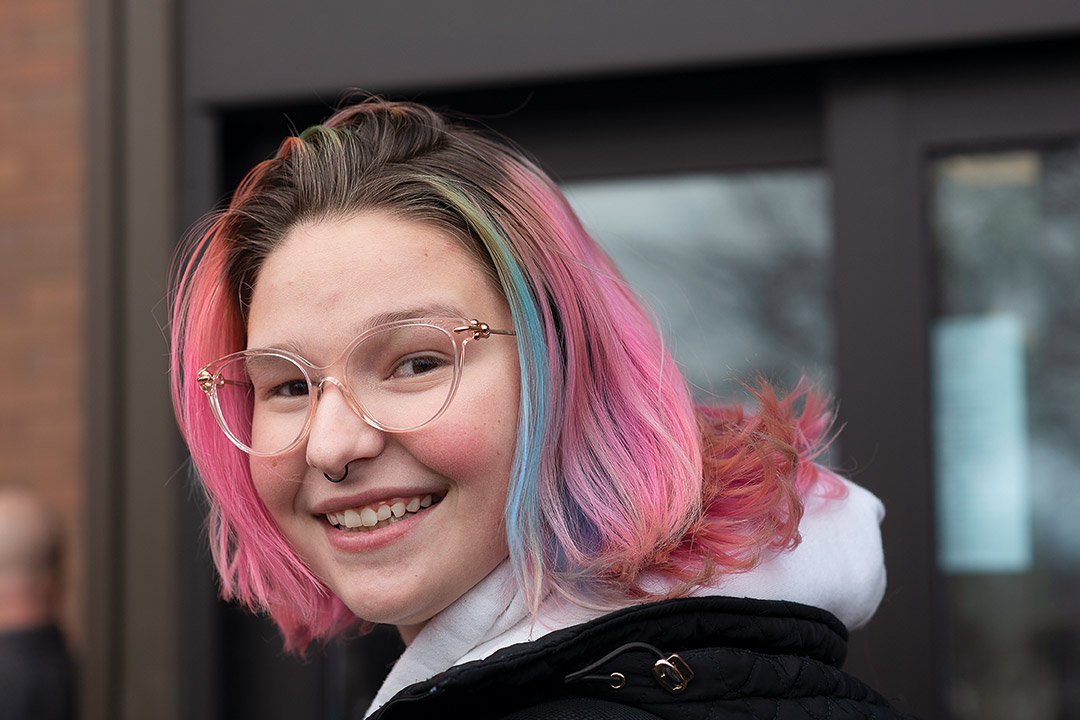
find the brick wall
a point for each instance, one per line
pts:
(42, 300)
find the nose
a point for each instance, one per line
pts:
(338, 435)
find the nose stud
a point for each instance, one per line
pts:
(337, 480)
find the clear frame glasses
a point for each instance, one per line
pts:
(398, 377)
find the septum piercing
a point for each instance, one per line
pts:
(337, 480)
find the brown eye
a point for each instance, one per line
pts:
(292, 388)
(418, 365)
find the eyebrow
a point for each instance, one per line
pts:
(415, 312)
(409, 313)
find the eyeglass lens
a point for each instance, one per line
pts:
(401, 376)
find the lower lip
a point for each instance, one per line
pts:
(353, 541)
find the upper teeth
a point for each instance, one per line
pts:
(372, 515)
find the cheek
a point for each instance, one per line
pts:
(474, 447)
(465, 447)
(478, 434)
(276, 481)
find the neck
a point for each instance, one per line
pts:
(409, 632)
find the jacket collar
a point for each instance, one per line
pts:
(521, 674)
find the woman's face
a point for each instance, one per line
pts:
(323, 286)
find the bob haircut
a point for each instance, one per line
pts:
(615, 475)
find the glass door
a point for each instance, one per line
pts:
(1005, 367)
(736, 268)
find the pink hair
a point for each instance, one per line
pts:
(632, 477)
(616, 473)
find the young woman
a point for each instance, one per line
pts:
(418, 393)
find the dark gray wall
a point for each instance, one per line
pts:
(135, 481)
(260, 50)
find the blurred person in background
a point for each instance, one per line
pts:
(37, 673)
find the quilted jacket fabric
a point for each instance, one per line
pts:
(748, 658)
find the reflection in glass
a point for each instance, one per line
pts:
(1008, 238)
(981, 446)
(735, 267)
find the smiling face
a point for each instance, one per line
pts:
(323, 286)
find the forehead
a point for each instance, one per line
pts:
(329, 278)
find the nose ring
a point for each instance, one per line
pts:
(337, 480)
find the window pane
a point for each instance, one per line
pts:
(735, 267)
(1006, 368)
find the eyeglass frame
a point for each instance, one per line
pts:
(209, 377)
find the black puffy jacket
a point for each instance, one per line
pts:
(713, 657)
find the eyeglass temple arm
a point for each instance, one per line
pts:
(207, 381)
(481, 330)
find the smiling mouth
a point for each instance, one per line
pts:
(379, 515)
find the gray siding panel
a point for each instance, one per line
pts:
(260, 50)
